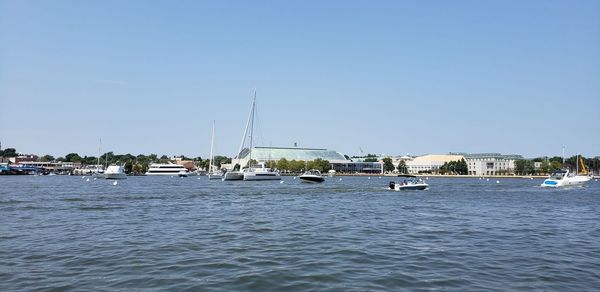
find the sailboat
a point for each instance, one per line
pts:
(212, 173)
(259, 171)
(252, 172)
(237, 174)
(99, 171)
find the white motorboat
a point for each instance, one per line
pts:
(563, 178)
(166, 169)
(409, 182)
(115, 172)
(260, 173)
(312, 176)
(186, 173)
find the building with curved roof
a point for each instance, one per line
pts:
(337, 160)
(303, 154)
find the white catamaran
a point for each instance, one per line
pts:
(252, 172)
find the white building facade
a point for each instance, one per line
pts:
(491, 163)
(430, 163)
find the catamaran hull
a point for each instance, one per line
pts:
(233, 176)
(260, 176)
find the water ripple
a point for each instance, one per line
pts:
(65, 233)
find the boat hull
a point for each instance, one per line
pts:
(233, 175)
(311, 179)
(576, 181)
(115, 176)
(261, 176)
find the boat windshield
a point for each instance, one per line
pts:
(558, 174)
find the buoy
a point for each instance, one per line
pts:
(531, 178)
(294, 177)
(87, 179)
(497, 181)
(369, 177)
(380, 177)
(95, 178)
(340, 179)
(281, 182)
(487, 179)
(82, 177)
(115, 183)
(427, 178)
(198, 178)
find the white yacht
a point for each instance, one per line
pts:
(166, 169)
(563, 178)
(115, 172)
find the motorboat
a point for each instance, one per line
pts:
(186, 173)
(166, 169)
(260, 172)
(311, 176)
(115, 172)
(409, 182)
(563, 178)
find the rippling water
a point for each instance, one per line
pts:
(65, 232)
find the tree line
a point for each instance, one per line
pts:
(549, 164)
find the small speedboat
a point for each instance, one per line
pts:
(409, 182)
(562, 178)
(312, 176)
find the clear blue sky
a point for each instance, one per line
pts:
(389, 77)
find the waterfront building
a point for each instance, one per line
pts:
(491, 163)
(23, 158)
(430, 163)
(338, 161)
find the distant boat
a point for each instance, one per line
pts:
(165, 169)
(331, 173)
(212, 173)
(115, 172)
(260, 172)
(410, 182)
(312, 176)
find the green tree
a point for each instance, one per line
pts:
(47, 158)
(388, 166)
(544, 167)
(128, 166)
(8, 152)
(72, 157)
(402, 166)
(283, 164)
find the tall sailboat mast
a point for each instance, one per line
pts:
(252, 126)
(212, 143)
(99, 151)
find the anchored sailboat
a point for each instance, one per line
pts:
(212, 173)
